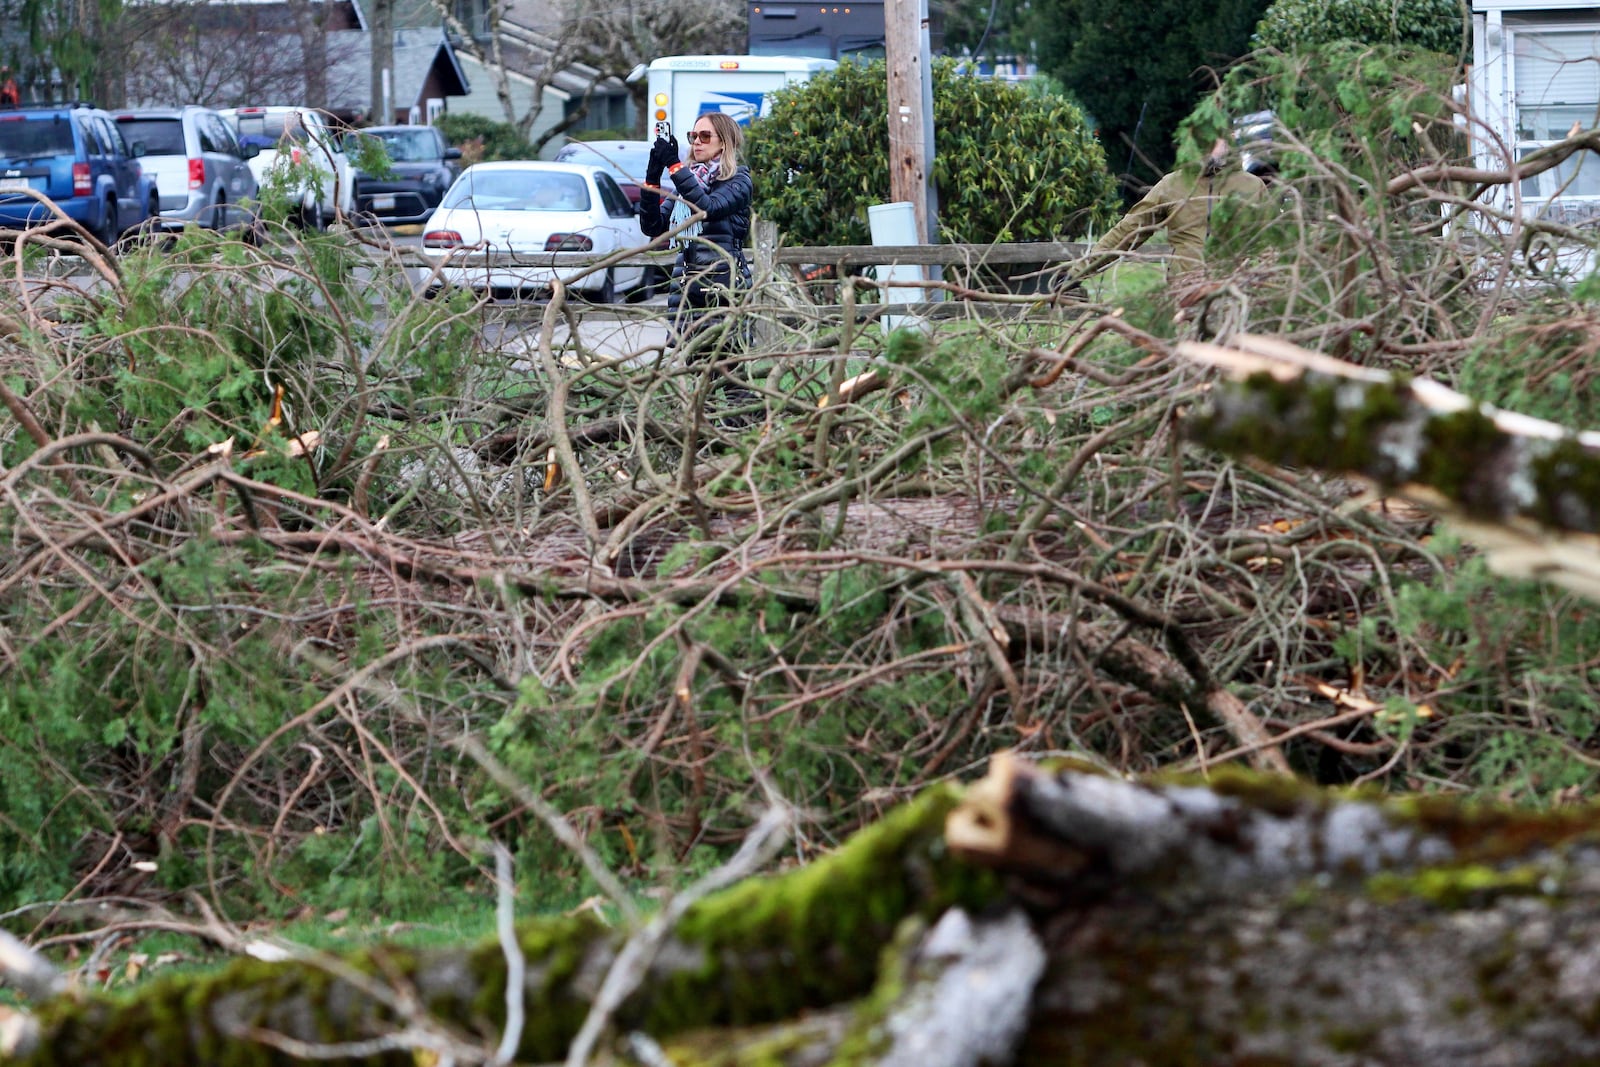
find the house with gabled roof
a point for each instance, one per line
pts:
(238, 52)
(529, 32)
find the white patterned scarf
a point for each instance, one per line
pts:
(682, 209)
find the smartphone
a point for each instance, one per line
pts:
(663, 128)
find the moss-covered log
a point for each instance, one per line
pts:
(1260, 922)
(1526, 490)
(1061, 917)
(762, 951)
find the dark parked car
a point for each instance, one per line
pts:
(422, 168)
(77, 157)
(626, 160)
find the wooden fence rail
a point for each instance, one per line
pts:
(1024, 265)
(841, 257)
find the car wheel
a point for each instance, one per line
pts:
(607, 293)
(254, 232)
(311, 217)
(109, 229)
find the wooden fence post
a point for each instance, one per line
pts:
(764, 244)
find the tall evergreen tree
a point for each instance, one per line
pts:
(1140, 68)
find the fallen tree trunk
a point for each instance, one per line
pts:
(1060, 917)
(1523, 489)
(763, 950)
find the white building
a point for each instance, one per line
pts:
(1535, 74)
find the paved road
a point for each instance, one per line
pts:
(602, 333)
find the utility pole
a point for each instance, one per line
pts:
(381, 31)
(906, 48)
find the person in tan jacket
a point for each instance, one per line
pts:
(1185, 203)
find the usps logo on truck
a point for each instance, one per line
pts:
(682, 88)
(740, 107)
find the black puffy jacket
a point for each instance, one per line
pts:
(726, 203)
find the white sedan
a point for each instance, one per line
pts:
(521, 211)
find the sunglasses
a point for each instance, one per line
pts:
(701, 136)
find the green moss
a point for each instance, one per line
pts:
(1482, 832)
(155, 1026)
(1353, 1040)
(1567, 481)
(1460, 447)
(780, 1045)
(1467, 885)
(775, 946)
(1274, 794)
(769, 948)
(867, 1039)
(1315, 419)
(554, 949)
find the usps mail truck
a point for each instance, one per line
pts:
(682, 88)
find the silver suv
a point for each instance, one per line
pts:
(201, 168)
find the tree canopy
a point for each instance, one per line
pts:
(1429, 25)
(1140, 68)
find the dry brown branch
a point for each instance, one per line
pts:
(999, 540)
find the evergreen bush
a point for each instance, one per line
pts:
(500, 140)
(1009, 165)
(1428, 25)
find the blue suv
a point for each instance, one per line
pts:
(76, 156)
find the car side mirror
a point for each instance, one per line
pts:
(136, 149)
(452, 153)
(249, 151)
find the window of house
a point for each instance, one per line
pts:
(1557, 79)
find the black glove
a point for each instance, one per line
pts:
(663, 154)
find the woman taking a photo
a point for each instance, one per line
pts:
(711, 249)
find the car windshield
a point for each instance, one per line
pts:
(519, 190)
(22, 138)
(625, 164)
(161, 137)
(410, 146)
(265, 130)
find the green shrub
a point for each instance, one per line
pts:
(210, 352)
(500, 140)
(1541, 364)
(1009, 165)
(1139, 68)
(1428, 25)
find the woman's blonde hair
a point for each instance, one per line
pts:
(731, 136)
